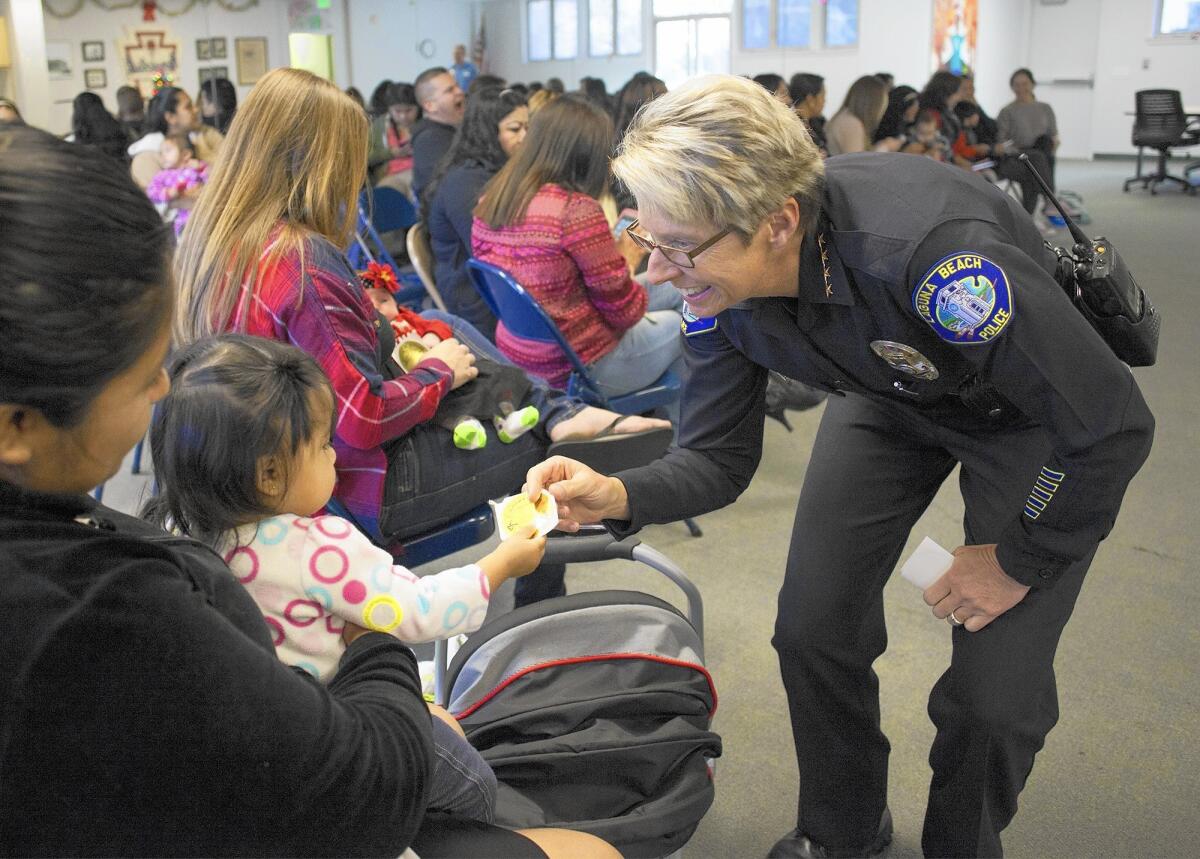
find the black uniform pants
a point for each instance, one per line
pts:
(874, 469)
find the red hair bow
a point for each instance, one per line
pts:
(379, 276)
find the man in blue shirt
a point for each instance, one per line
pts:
(464, 71)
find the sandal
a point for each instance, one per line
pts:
(610, 451)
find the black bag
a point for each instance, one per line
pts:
(594, 711)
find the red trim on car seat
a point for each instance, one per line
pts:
(600, 657)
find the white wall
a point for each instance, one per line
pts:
(26, 81)
(385, 35)
(268, 19)
(372, 40)
(505, 21)
(894, 36)
(1065, 44)
(1129, 59)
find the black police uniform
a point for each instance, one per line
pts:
(927, 303)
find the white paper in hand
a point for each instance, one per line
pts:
(927, 564)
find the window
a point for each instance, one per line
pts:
(614, 27)
(795, 23)
(538, 12)
(756, 24)
(684, 8)
(553, 29)
(841, 23)
(1178, 17)
(690, 40)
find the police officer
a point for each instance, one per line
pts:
(922, 298)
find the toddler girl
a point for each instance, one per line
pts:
(177, 185)
(243, 456)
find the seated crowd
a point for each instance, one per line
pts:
(216, 236)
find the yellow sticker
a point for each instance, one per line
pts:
(517, 512)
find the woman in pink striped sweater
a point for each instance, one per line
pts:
(539, 220)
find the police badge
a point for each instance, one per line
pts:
(904, 358)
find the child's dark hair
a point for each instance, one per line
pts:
(234, 399)
(965, 110)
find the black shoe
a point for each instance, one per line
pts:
(797, 845)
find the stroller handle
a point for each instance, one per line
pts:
(595, 544)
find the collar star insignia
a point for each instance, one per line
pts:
(825, 265)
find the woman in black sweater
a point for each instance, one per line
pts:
(142, 708)
(493, 127)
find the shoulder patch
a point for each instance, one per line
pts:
(691, 325)
(965, 298)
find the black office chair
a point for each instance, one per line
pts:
(1162, 125)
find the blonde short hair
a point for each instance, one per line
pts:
(723, 151)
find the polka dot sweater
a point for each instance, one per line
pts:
(309, 576)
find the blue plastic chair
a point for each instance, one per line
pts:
(524, 317)
(382, 210)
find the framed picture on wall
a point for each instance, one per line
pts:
(58, 60)
(251, 59)
(93, 52)
(213, 72)
(217, 47)
(204, 49)
(95, 78)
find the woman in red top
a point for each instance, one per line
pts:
(263, 255)
(540, 221)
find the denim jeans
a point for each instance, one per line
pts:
(647, 350)
(430, 482)
(463, 782)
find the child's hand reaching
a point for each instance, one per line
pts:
(517, 556)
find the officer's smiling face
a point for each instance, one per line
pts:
(729, 271)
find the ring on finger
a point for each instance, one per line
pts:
(953, 618)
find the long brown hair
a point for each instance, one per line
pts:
(867, 100)
(568, 144)
(295, 157)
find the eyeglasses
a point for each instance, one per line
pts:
(676, 256)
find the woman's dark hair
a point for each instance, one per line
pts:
(220, 93)
(804, 84)
(477, 141)
(234, 399)
(130, 104)
(398, 93)
(354, 93)
(555, 85)
(484, 81)
(376, 105)
(938, 90)
(596, 92)
(639, 90)
(771, 81)
(85, 286)
(93, 125)
(569, 144)
(1013, 77)
(165, 101)
(899, 101)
